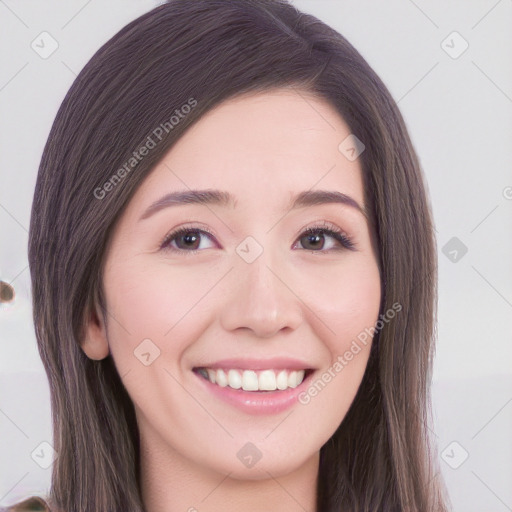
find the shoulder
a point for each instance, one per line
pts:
(32, 504)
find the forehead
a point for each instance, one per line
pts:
(261, 147)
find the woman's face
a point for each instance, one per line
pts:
(244, 295)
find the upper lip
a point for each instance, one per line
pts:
(285, 363)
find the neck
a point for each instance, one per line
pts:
(173, 483)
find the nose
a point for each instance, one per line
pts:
(260, 298)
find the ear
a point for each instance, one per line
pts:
(95, 342)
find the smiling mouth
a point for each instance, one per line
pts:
(251, 380)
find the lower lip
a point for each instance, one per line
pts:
(257, 402)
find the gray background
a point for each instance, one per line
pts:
(457, 105)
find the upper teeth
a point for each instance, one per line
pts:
(250, 380)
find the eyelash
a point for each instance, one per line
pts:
(325, 228)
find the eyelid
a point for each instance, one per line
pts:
(346, 243)
(321, 224)
(325, 225)
(184, 227)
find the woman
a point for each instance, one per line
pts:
(285, 365)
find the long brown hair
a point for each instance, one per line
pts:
(199, 53)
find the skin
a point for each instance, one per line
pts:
(210, 304)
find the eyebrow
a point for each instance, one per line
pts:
(225, 199)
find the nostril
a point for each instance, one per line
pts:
(6, 292)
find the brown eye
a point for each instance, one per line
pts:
(190, 240)
(185, 240)
(314, 239)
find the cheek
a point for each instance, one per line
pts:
(154, 302)
(345, 297)
(350, 311)
(358, 305)
(347, 301)
(155, 314)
